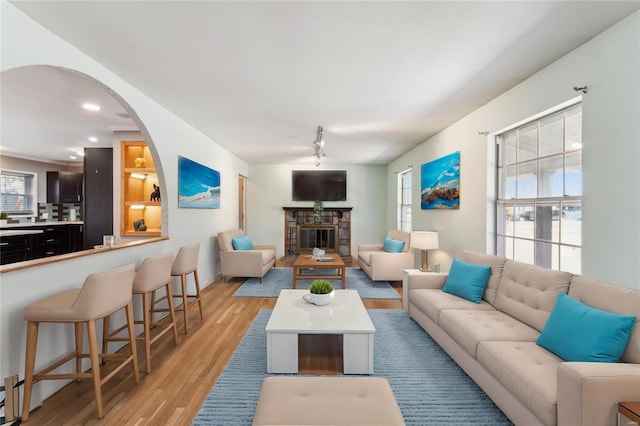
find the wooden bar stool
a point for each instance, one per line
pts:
(102, 294)
(185, 263)
(154, 273)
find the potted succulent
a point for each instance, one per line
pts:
(317, 211)
(3, 218)
(321, 292)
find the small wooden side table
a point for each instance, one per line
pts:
(629, 413)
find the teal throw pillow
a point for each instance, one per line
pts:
(392, 246)
(467, 280)
(578, 332)
(242, 243)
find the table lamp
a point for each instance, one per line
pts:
(424, 240)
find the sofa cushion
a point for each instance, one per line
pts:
(496, 263)
(578, 332)
(225, 237)
(526, 370)
(392, 246)
(467, 280)
(611, 298)
(470, 327)
(432, 302)
(528, 292)
(242, 243)
(268, 256)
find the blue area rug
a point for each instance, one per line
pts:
(280, 278)
(429, 386)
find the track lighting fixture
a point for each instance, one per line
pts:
(319, 146)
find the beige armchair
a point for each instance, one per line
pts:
(380, 265)
(244, 263)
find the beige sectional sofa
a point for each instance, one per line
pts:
(495, 341)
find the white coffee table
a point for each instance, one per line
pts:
(345, 315)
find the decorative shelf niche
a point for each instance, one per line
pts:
(138, 177)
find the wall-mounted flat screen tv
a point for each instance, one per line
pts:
(319, 185)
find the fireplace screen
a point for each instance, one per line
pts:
(321, 236)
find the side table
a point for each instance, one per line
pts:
(629, 413)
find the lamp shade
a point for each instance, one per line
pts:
(424, 240)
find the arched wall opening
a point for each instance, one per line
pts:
(43, 121)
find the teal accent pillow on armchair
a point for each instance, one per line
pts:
(242, 243)
(579, 332)
(392, 246)
(467, 280)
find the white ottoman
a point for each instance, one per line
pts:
(301, 400)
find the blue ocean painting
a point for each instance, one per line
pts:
(440, 183)
(198, 185)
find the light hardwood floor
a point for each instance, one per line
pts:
(183, 375)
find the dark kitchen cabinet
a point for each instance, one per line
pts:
(76, 237)
(50, 242)
(98, 195)
(15, 248)
(71, 238)
(65, 187)
(53, 239)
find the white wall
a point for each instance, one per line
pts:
(24, 43)
(269, 189)
(609, 65)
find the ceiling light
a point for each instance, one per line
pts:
(93, 139)
(73, 157)
(91, 107)
(79, 152)
(319, 146)
(138, 176)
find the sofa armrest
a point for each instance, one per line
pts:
(589, 392)
(414, 280)
(264, 247)
(241, 263)
(389, 266)
(370, 247)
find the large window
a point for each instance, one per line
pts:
(540, 191)
(404, 200)
(17, 192)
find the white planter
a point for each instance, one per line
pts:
(321, 299)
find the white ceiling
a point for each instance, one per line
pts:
(43, 118)
(260, 77)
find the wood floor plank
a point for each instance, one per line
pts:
(183, 375)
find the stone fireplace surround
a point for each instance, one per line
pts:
(332, 232)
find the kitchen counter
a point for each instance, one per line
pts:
(10, 233)
(34, 240)
(47, 223)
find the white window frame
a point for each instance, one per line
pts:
(33, 194)
(405, 187)
(545, 250)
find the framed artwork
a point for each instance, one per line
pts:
(440, 183)
(198, 185)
